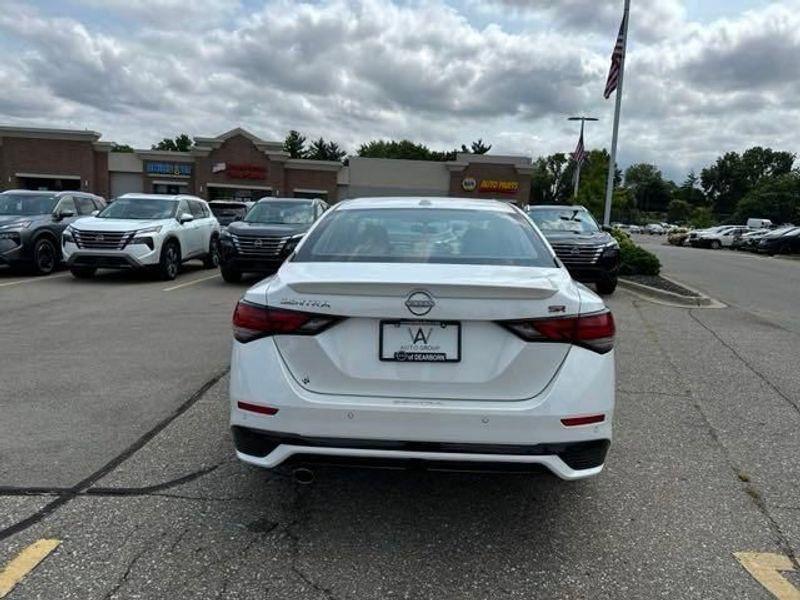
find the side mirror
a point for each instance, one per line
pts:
(185, 218)
(95, 213)
(64, 214)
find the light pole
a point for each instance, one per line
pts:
(581, 149)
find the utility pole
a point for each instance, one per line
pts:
(581, 148)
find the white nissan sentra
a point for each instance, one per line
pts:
(440, 331)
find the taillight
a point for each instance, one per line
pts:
(251, 322)
(595, 331)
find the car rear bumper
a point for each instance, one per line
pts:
(514, 433)
(568, 460)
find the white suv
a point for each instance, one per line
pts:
(143, 231)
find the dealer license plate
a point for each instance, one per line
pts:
(420, 341)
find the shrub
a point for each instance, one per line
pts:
(635, 259)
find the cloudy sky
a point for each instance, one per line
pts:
(703, 77)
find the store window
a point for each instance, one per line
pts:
(167, 188)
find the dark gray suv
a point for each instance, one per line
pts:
(31, 224)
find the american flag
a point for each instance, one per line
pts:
(616, 61)
(580, 154)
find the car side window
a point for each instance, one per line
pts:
(66, 204)
(197, 209)
(85, 205)
(183, 207)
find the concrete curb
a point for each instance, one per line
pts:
(669, 297)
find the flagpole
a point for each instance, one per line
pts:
(612, 163)
(578, 172)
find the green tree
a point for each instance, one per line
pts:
(594, 176)
(733, 176)
(775, 198)
(322, 150)
(551, 182)
(295, 144)
(679, 211)
(476, 147)
(701, 217)
(404, 149)
(690, 191)
(121, 147)
(651, 192)
(335, 152)
(181, 143)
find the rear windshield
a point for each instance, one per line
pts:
(564, 220)
(411, 235)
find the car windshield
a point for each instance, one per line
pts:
(27, 204)
(281, 213)
(140, 208)
(564, 220)
(228, 210)
(444, 236)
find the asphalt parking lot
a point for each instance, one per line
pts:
(114, 442)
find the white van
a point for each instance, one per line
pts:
(759, 223)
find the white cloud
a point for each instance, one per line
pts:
(354, 70)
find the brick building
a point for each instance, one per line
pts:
(237, 164)
(54, 159)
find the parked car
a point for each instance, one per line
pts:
(634, 229)
(267, 235)
(378, 342)
(696, 233)
(722, 238)
(228, 211)
(781, 241)
(143, 231)
(678, 236)
(31, 223)
(749, 240)
(655, 229)
(591, 254)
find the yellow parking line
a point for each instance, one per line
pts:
(188, 283)
(24, 563)
(33, 280)
(765, 568)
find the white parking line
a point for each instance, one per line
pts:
(33, 280)
(188, 283)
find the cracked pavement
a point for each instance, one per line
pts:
(704, 464)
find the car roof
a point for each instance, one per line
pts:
(557, 206)
(36, 192)
(172, 197)
(277, 199)
(424, 201)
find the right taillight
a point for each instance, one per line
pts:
(595, 331)
(252, 321)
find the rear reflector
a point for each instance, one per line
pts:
(595, 331)
(589, 420)
(251, 322)
(257, 408)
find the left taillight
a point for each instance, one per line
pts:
(595, 332)
(252, 322)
